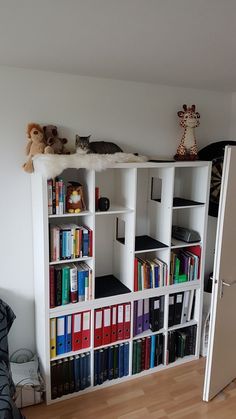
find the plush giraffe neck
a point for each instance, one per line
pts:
(188, 138)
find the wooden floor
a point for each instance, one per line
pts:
(172, 394)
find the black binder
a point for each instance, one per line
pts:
(65, 369)
(71, 375)
(179, 298)
(171, 310)
(156, 313)
(54, 380)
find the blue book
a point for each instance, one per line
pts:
(77, 372)
(156, 270)
(81, 283)
(152, 354)
(61, 336)
(126, 358)
(85, 242)
(110, 363)
(88, 370)
(68, 333)
(121, 360)
(100, 365)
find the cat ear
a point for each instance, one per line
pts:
(89, 137)
(77, 137)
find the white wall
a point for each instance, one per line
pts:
(139, 117)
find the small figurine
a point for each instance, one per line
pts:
(189, 119)
(75, 198)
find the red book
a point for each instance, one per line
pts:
(90, 242)
(86, 329)
(106, 330)
(135, 274)
(127, 311)
(120, 322)
(52, 287)
(76, 331)
(97, 195)
(147, 353)
(98, 327)
(113, 323)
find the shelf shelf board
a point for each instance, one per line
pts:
(149, 333)
(181, 326)
(72, 353)
(177, 244)
(117, 342)
(148, 244)
(115, 209)
(109, 285)
(179, 203)
(180, 361)
(66, 215)
(59, 262)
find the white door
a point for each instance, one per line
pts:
(221, 356)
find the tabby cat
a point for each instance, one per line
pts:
(83, 146)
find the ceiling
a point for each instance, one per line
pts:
(188, 43)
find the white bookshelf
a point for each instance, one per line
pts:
(141, 199)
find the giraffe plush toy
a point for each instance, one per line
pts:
(189, 120)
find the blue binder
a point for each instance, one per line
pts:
(126, 358)
(82, 371)
(88, 370)
(68, 333)
(96, 367)
(153, 346)
(60, 340)
(121, 360)
(110, 362)
(76, 372)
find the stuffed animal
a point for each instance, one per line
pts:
(189, 120)
(36, 145)
(52, 139)
(75, 198)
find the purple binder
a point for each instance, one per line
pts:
(139, 317)
(145, 314)
(135, 318)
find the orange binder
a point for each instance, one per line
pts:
(114, 323)
(106, 330)
(86, 329)
(120, 322)
(127, 311)
(76, 331)
(98, 327)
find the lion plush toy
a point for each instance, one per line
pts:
(52, 139)
(36, 145)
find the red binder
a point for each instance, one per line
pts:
(86, 329)
(106, 331)
(98, 328)
(113, 323)
(127, 310)
(76, 331)
(120, 321)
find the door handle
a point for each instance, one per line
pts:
(226, 284)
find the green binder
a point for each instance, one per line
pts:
(65, 285)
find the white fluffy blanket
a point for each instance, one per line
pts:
(51, 165)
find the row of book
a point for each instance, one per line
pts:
(181, 307)
(111, 363)
(70, 241)
(148, 314)
(181, 343)
(56, 196)
(69, 375)
(69, 333)
(149, 273)
(147, 353)
(112, 324)
(70, 284)
(185, 265)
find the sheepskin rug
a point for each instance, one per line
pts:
(51, 165)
